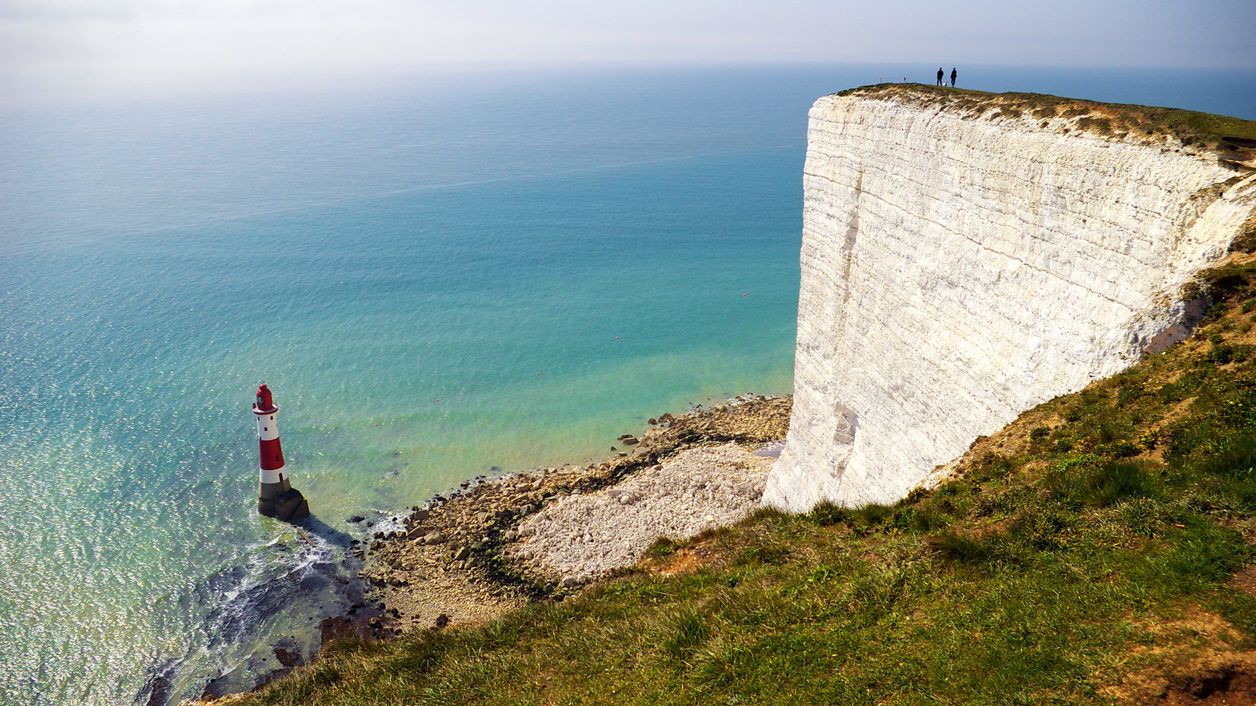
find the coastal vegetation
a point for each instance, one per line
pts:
(1233, 139)
(1099, 549)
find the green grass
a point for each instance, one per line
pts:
(1075, 539)
(1234, 137)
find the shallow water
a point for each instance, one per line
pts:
(439, 278)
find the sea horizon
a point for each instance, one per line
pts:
(464, 278)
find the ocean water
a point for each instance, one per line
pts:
(439, 276)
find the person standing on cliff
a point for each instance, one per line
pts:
(940, 75)
(954, 73)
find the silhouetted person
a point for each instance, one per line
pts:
(940, 75)
(954, 73)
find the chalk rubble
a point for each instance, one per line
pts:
(584, 536)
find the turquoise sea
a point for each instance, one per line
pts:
(440, 276)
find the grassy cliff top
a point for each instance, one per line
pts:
(1100, 549)
(1231, 139)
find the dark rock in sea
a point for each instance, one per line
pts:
(340, 627)
(356, 519)
(287, 657)
(158, 686)
(211, 691)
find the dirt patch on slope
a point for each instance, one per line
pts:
(1191, 659)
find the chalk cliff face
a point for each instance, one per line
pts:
(960, 268)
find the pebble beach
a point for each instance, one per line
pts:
(543, 534)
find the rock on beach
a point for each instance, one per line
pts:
(582, 537)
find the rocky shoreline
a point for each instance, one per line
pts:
(496, 544)
(457, 560)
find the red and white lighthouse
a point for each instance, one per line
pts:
(275, 495)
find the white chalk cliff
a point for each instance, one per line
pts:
(960, 267)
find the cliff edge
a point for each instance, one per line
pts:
(968, 256)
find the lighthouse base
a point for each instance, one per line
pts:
(287, 506)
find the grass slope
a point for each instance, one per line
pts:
(1099, 549)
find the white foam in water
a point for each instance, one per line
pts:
(402, 332)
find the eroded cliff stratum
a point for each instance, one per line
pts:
(967, 256)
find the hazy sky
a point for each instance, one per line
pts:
(99, 43)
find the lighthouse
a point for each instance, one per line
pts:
(275, 495)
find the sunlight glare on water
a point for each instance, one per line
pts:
(437, 280)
